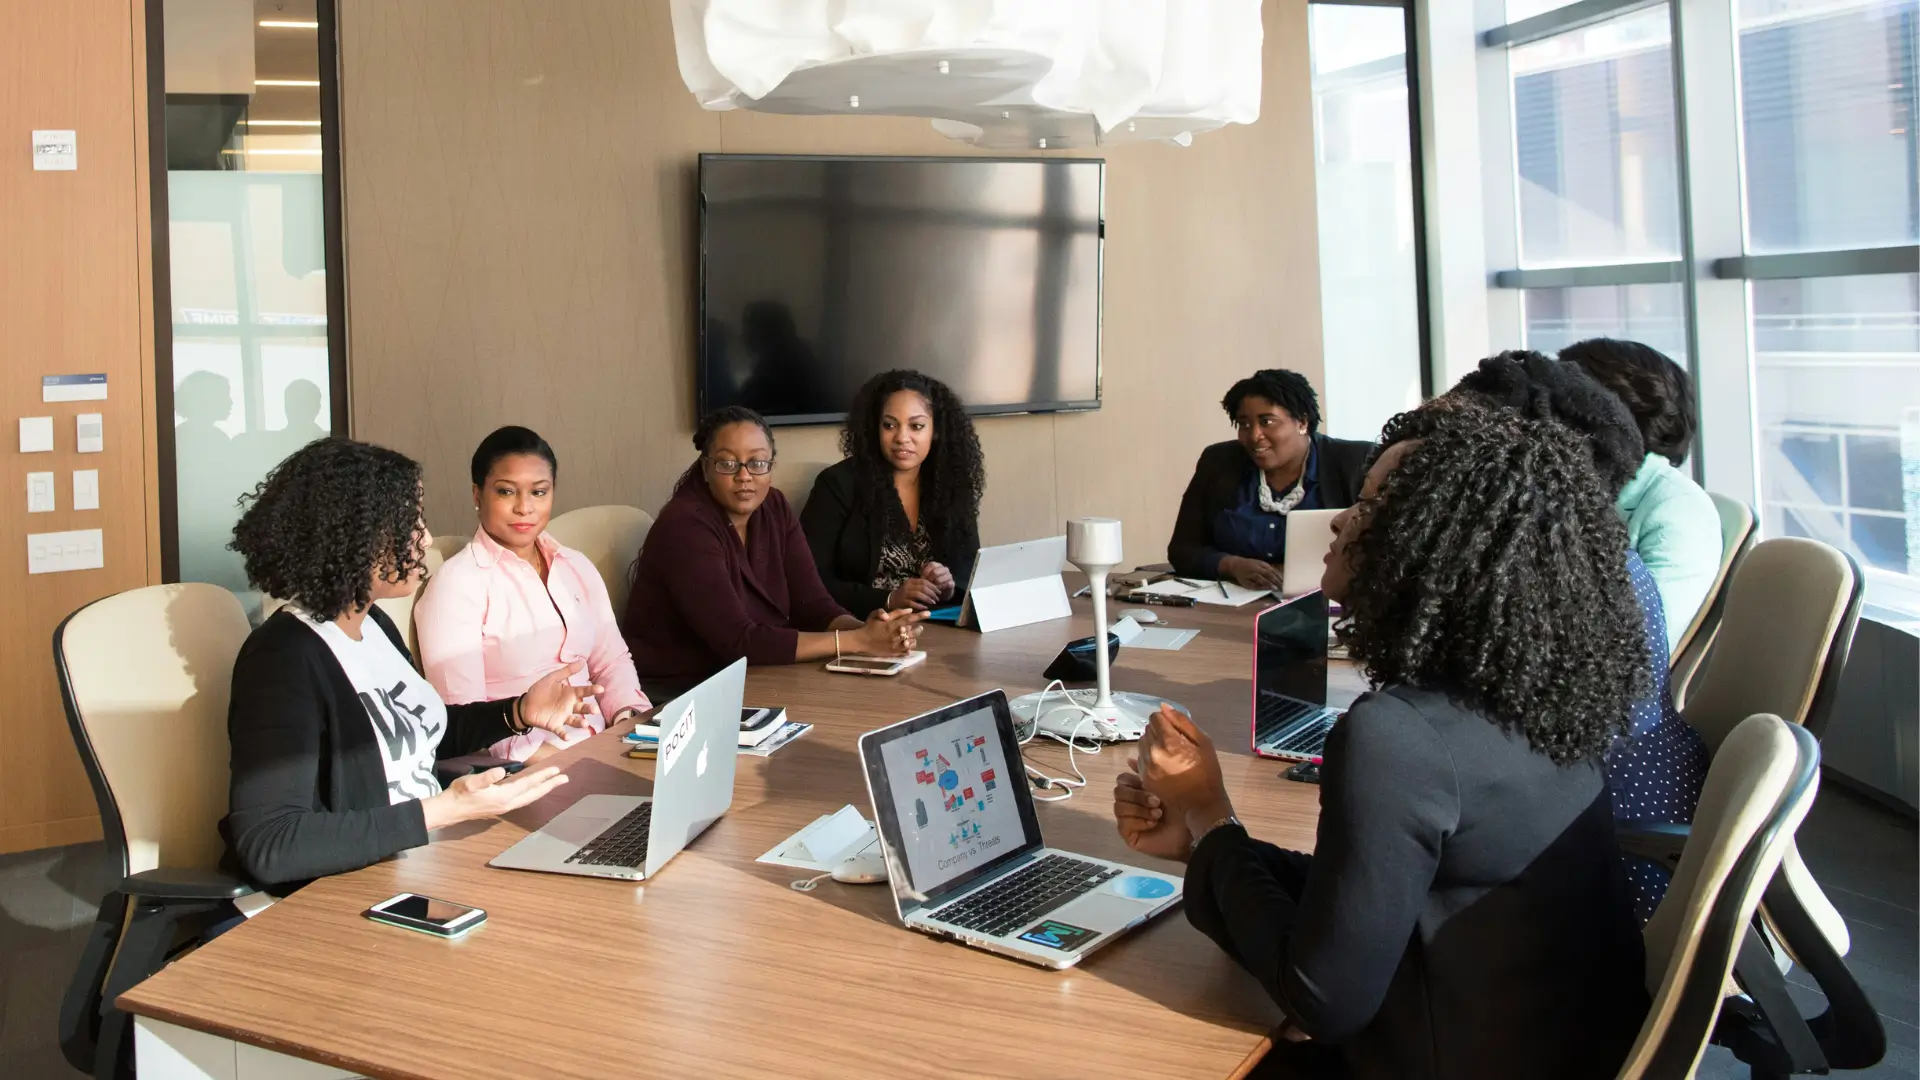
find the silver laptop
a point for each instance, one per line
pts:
(633, 836)
(1309, 537)
(1290, 714)
(963, 847)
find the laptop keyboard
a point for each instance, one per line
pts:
(1278, 714)
(1024, 895)
(624, 843)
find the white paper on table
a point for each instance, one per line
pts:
(1165, 638)
(1235, 596)
(796, 850)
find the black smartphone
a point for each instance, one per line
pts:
(412, 911)
(510, 766)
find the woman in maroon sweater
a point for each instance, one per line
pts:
(726, 572)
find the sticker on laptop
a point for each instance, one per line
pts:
(676, 740)
(1058, 935)
(1142, 887)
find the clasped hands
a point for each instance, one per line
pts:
(1172, 791)
(933, 585)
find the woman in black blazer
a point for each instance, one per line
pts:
(1464, 912)
(1233, 518)
(334, 735)
(896, 524)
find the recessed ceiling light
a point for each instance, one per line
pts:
(289, 24)
(286, 82)
(281, 123)
(276, 152)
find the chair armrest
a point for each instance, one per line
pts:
(1657, 841)
(181, 885)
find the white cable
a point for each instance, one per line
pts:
(1088, 716)
(807, 885)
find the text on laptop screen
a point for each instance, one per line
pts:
(1291, 656)
(952, 793)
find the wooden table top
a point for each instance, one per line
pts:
(716, 967)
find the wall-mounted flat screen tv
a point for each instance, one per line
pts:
(817, 273)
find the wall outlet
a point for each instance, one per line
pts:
(53, 553)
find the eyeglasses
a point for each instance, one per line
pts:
(728, 466)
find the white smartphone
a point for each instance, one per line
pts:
(412, 911)
(875, 665)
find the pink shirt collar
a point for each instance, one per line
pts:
(487, 551)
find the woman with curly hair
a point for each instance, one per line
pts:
(1671, 521)
(725, 573)
(1232, 523)
(896, 524)
(1463, 912)
(334, 735)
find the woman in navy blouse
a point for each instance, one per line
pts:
(1233, 518)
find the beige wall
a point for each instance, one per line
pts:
(75, 297)
(521, 233)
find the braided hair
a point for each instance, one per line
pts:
(954, 474)
(1492, 569)
(1542, 388)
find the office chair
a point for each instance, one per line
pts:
(144, 676)
(1736, 539)
(399, 608)
(1759, 790)
(609, 535)
(1789, 616)
(450, 545)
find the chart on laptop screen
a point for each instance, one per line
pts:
(951, 797)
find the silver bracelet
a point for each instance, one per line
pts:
(1230, 819)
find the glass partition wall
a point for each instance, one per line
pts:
(249, 344)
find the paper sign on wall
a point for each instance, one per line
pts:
(676, 741)
(92, 387)
(55, 151)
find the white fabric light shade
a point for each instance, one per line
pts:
(998, 73)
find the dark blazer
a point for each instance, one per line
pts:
(1463, 914)
(701, 599)
(845, 532)
(1341, 465)
(308, 795)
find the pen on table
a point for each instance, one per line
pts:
(1224, 592)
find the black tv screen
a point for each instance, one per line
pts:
(817, 273)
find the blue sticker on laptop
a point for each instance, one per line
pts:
(1141, 887)
(1058, 935)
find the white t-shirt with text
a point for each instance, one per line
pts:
(408, 717)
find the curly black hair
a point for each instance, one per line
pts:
(326, 520)
(1493, 569)
(1656, 390)
(954, 472)
(506, 442)
(1288, 389)
(1542, 388)
(710, 426)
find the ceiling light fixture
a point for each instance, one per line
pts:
(281, 123)
(289, 24)
(276, 152)
(286, 82)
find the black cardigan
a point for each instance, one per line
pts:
(1463, 914)
(309, 791)
(845, 535)
(1340, 466)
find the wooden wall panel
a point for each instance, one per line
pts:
(521, 249)
(75, 296)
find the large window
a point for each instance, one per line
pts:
(1369, 231)
(1792, 273)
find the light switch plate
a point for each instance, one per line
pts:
(36, 434)
(89, 433)
(52, 553)
(40, 493)
(86, 489)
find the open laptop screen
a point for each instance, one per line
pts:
(1290, 650)
(950, 795)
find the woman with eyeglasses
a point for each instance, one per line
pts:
(1233, 519)
(726, 572)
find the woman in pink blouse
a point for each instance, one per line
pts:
(515, 604)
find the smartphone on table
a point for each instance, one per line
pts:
(412, 911)
(875, 665)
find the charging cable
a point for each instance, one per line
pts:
(1064, 785)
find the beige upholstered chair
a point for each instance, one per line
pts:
(1759, 790)
(449, 545)
(144, 676)
(1736, 539)
(609, 535)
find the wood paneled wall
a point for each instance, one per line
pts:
(75, 296)
(521, 248)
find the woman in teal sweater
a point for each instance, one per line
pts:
(1671, 521)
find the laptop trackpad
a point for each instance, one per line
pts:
(575, 830)
(1103, 912)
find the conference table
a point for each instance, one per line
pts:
(716, 966)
